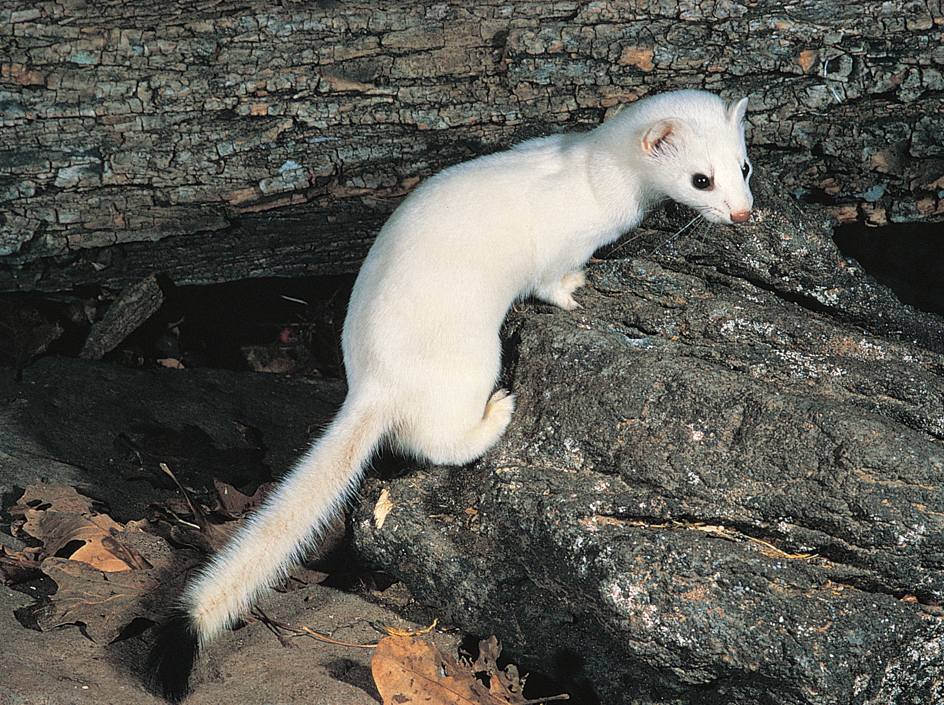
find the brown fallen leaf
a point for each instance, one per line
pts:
(201, 532)
(104, 579)
(234, 503)
(408, 670)
(505, 683)
(41, 495)
(300, 576)
(99, 600)
(106, 603)
(80, 537)
(107, 574)
(19, 566)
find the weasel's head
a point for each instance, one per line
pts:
(695, 154)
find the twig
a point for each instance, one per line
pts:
(198, 515)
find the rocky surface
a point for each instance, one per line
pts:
(709, 491)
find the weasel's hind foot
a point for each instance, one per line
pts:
(498, 411)
(495, 419)
(476, 440)
(561, 292)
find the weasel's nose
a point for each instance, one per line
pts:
(740, 217)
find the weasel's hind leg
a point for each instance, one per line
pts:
(457, 446)
(560, 291)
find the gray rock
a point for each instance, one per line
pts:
(717, 486)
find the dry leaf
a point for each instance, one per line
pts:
(104, 581)
(19, 566)
(61, 499)
(408, 670)
(234, 503)
(505, 684)
(89, 539)
(200, 533)
(299, 577)
(208, 540)
(106, 603)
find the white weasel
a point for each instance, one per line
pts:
(421, 338)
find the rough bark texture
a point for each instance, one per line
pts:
(212, 141)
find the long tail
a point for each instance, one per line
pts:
(265, 548)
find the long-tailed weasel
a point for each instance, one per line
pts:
(421, 337)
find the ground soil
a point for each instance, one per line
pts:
(247, 666)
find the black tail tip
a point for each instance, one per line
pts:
(172, 657)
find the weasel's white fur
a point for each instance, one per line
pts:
(421, 344)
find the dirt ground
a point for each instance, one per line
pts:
(246, 666)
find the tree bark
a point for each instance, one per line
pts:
(217, 140)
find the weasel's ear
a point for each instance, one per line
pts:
(737, 110)
(665, 136)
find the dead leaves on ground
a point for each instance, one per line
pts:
(108, 574)
(94, 538)
(410, 670)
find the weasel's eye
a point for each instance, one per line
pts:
(701, 182)
(746, 170)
